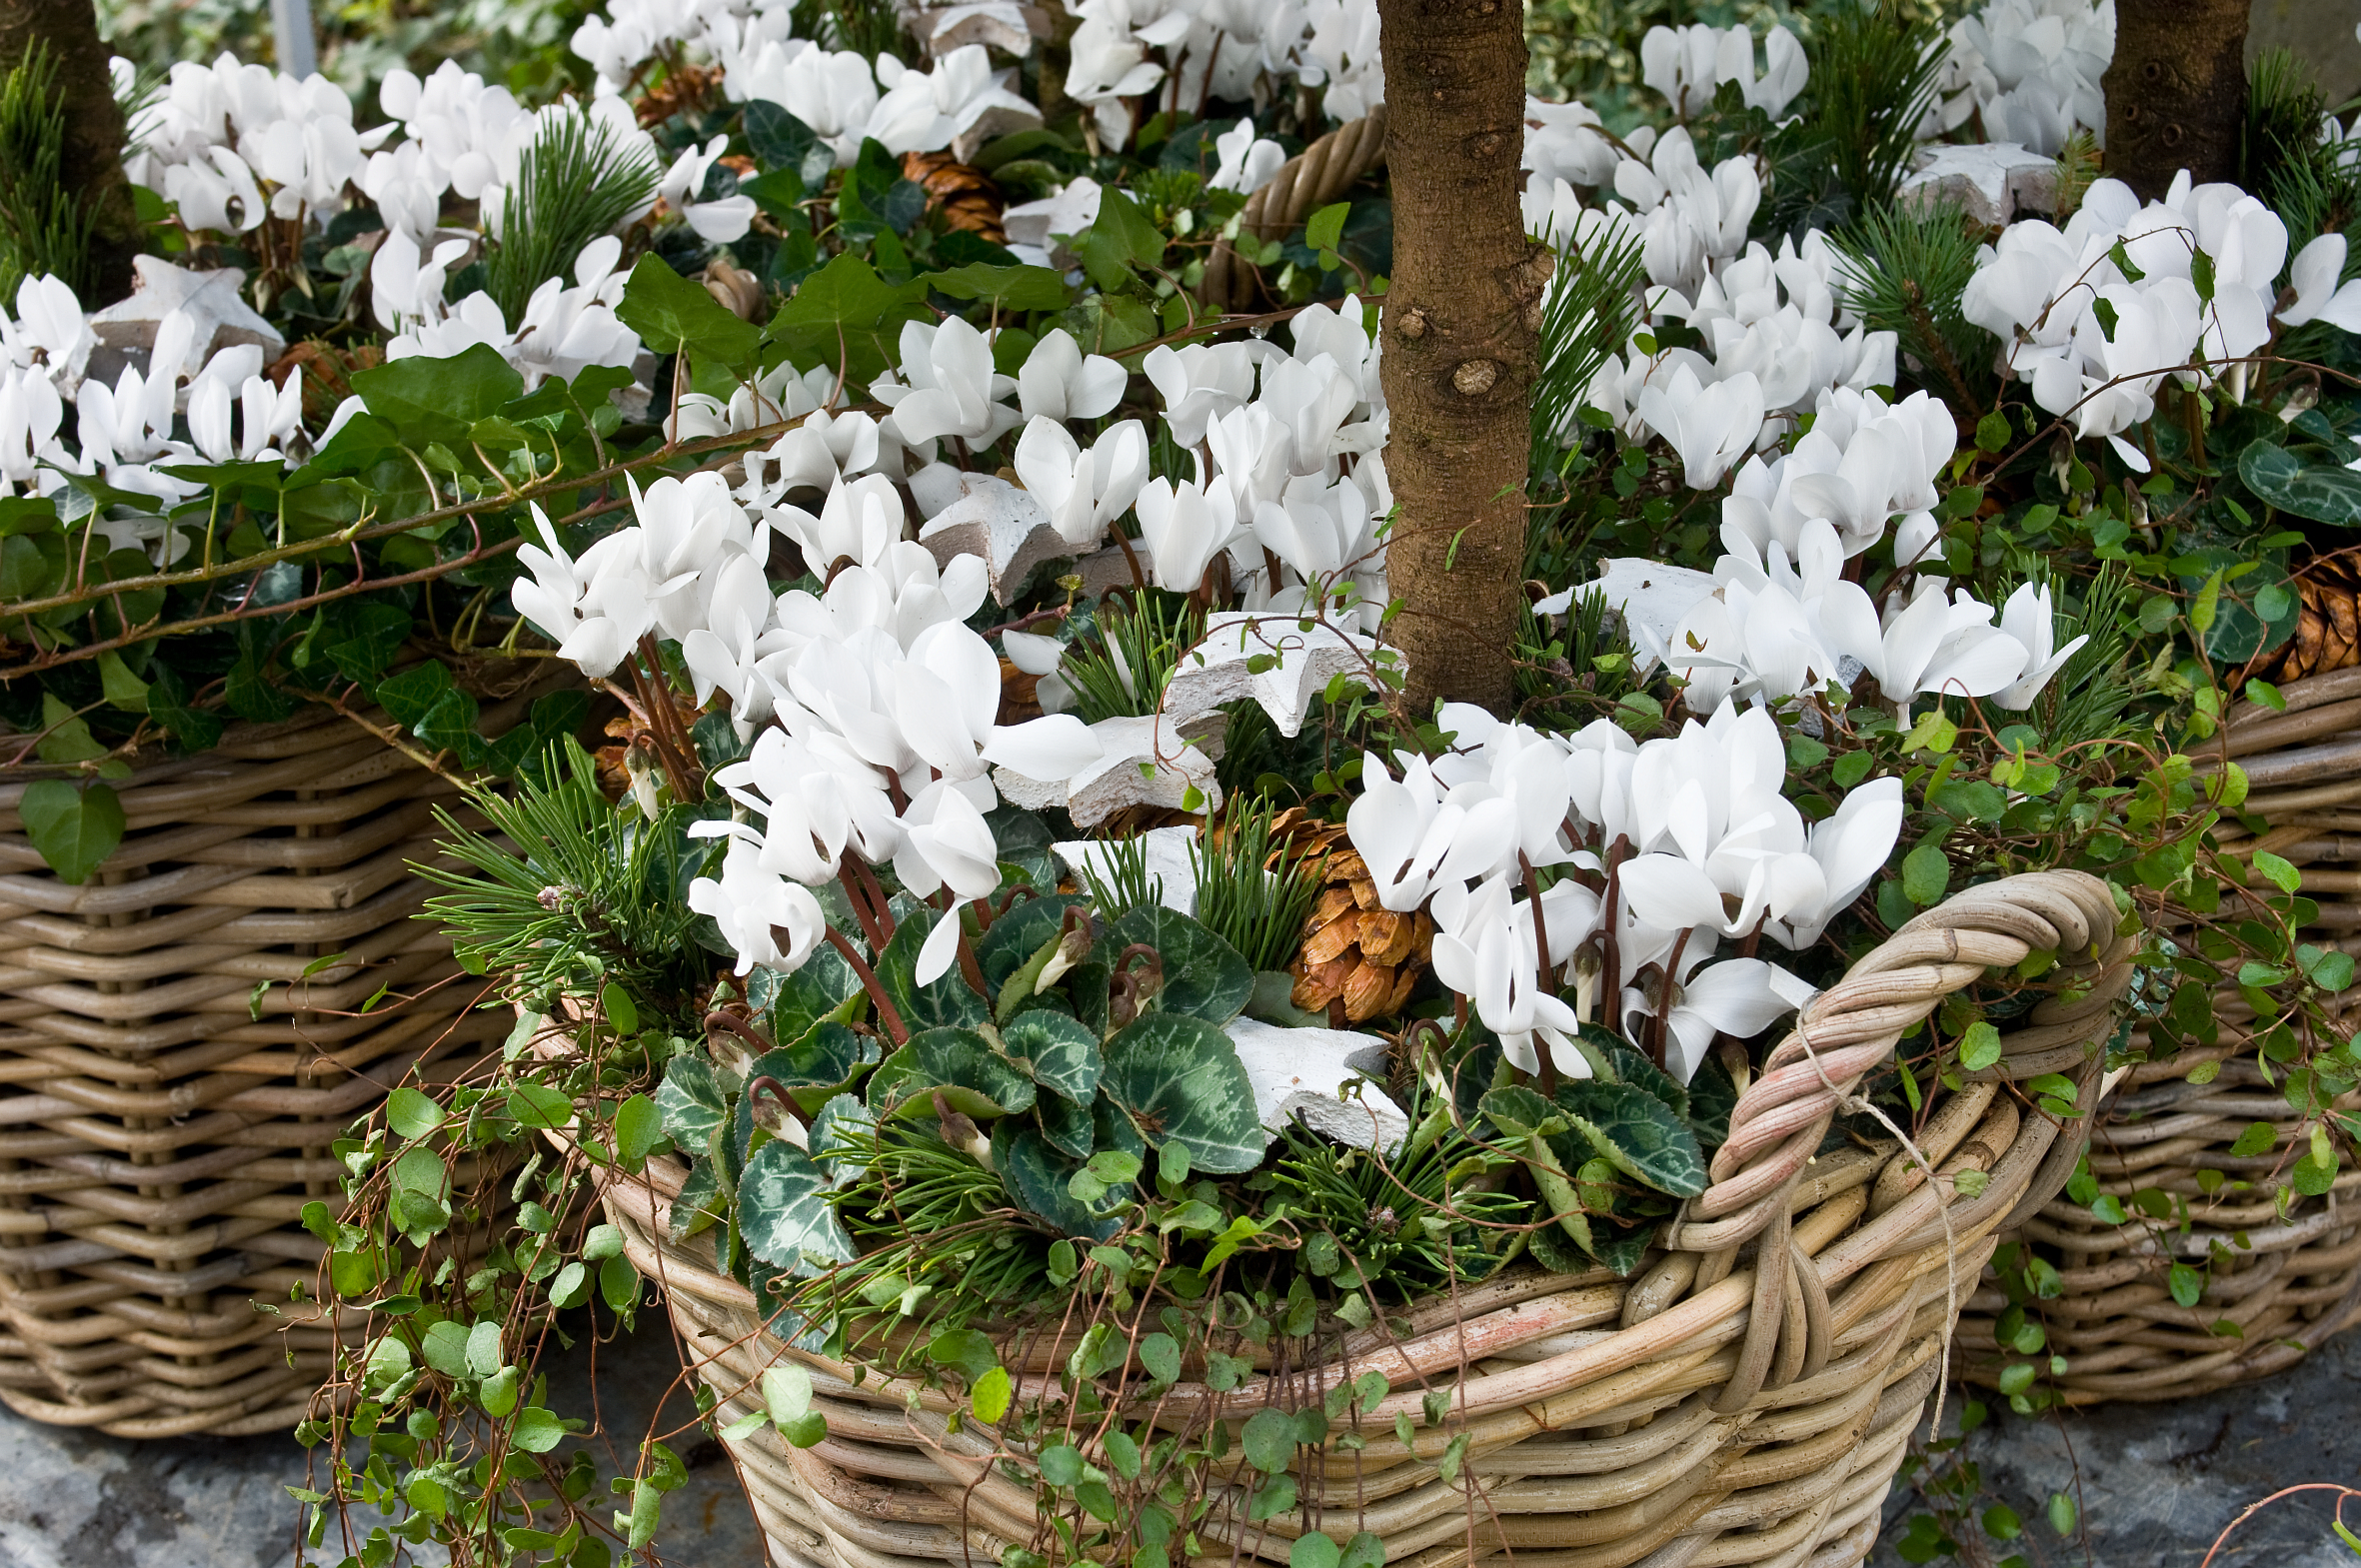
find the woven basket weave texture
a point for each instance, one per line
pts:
(2280, 1282)
(174, 1063)
(1744, 1398)
(1315, 177)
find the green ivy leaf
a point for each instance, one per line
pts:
(1121, 237)
(1325, 229)
(781, 141)
(429, 401)
(1182, 1082)
(671, 313)
(75, 827)
(847, 317)
(1014, 289)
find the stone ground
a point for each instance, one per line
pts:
(2158, 1481)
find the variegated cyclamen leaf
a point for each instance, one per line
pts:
(1036, 1175)
(974, 1079)
(1635, 1133)
(784, 1214)
(1182, 1082)
(1061, 1052)
(694, 1101)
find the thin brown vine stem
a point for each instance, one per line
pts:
(730, 444)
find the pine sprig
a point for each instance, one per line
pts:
(1905, 272)
(1256, 907)
(565, 893)
(577, 181)
(44, 228)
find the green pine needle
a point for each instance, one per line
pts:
(1257, 909)
(558, 896)
(577, 181)
(44, 228)
(1590, 312)
(1905, 272)
(1120, 664)
(1875, 69)
(1126, 885)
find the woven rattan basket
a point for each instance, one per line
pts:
(2290, 1280)
(1744, 1398)
(2281, 1282)
(171, 1077)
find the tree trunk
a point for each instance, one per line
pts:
(1462, 319)
(92, 162)
(2176, 94)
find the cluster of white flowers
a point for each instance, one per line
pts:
(2027, 71)
(1178, 54)
(232, 144)
(847, 98)
(875, 703)
(127, 433)
(2095, 315)
(1688, 65)
(1689, 836)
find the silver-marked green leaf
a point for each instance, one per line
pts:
(949, 1002)
(782, 1209)
(1182, 1082)
(974, 1079)
(1061, 1052)
(1204, 977)
(824, 987)
(693, 1102)
(1036, 1176)
(2325, 492)
(1637, 1133)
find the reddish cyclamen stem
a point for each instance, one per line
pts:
(887, 1016)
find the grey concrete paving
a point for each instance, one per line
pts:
(82, 1500)
(2158, 1481)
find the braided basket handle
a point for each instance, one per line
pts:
(1315, 177)
(1848, 1032)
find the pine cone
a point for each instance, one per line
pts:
(1018, 699)
(684, 87)
(966, 195)
(325, 370)
(1355, 950)
(2327, 628)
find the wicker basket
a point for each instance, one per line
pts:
(1744, 1398)
(2286, 1282)
(163, 1117)
(2293, 1280)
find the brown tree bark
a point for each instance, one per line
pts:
(1462, 319)
(2176, 94)
(93, 156)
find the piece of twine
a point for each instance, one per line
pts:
(1858, 1102)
